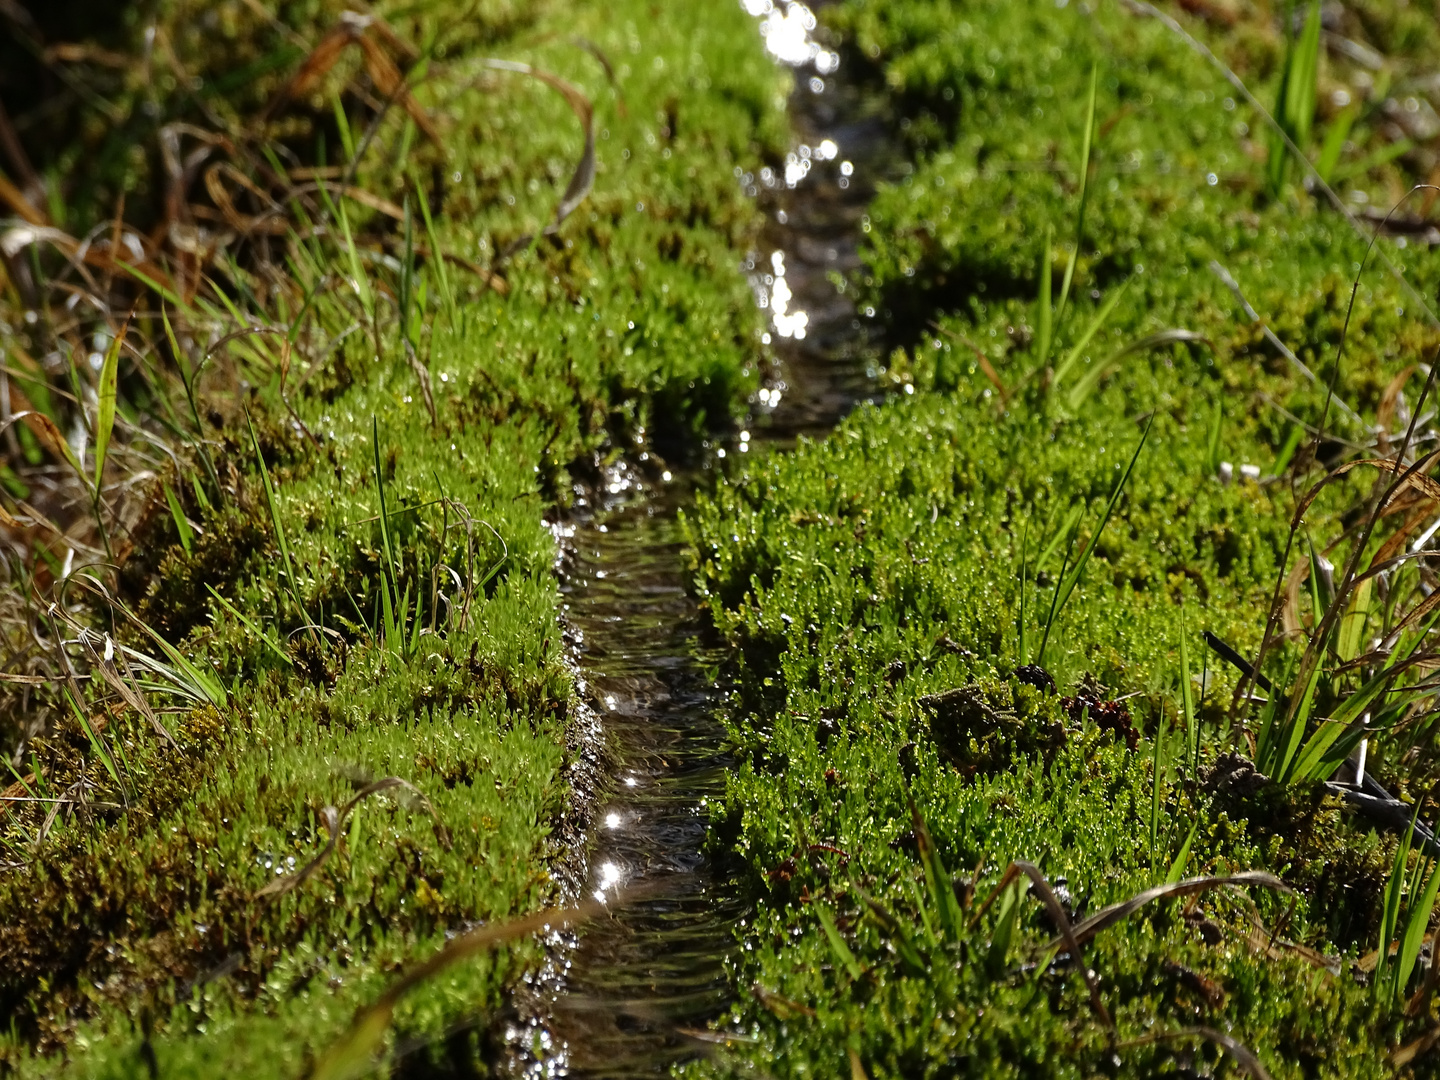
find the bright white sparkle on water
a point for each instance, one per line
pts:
(610, 876)
(788, 323)
(787, 35)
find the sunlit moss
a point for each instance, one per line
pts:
(134, 933)
(907, 554)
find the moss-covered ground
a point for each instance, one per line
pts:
(889, 589)
(389, 607)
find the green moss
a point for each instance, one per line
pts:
(134, 932)
(877, 584)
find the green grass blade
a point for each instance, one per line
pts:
(1417, 922)
(417, 622)
(1383, 156)
(1066, 529)
(1182, 858)
(900, 935)
(1334, 145)
(1073, 356)
(1021, 643)
(1390, 911)
(1187, 702)
(182, 524)
(168, 295)
(1044, 302)
(1338, 735)
(1096, 372)
(1292, 731)
(1067, 586)
(201, 683)
(1295, 103)
(1360, 607)
(1265, 739)
(1159, 767)
(352, 253)
(841, 950)
(249, 624)
(923, 910)
(1005, 920)
(1301, 96)
(1320, 591)
(389, 549)
(342, 124)
(275, 521)
(387, 617)
(20, 779)
(437, 257)
(105, 405)
(187, 379)
(95, 744)
(407, 273)
(1212, 445)
(1055, 596)
(938, 882)
(1287, 451)
(1084, 190)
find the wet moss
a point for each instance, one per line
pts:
(135, 932)
(873, 583)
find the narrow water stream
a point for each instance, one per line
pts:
(655, 967)
(631, 993)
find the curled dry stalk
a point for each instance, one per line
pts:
(1237, 1051)
(334, 821)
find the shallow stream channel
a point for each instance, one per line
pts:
(631, 993)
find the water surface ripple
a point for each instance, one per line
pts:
(631, 993)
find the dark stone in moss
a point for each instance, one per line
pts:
(909, 760)
(1036, 676)
(825, 730)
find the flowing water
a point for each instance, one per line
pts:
(631, 993)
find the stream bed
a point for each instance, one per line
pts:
(631, 993)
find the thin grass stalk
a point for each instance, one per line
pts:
(1273, 621)
(437, 258)
(1314, 648)
(1045, 302)
(291, 578)
(187, 381)
(1187, 701)
(1066, 584)
(1024, 578)
(1084, 192)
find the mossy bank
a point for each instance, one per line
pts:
(1079, 295)
(352, 551)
